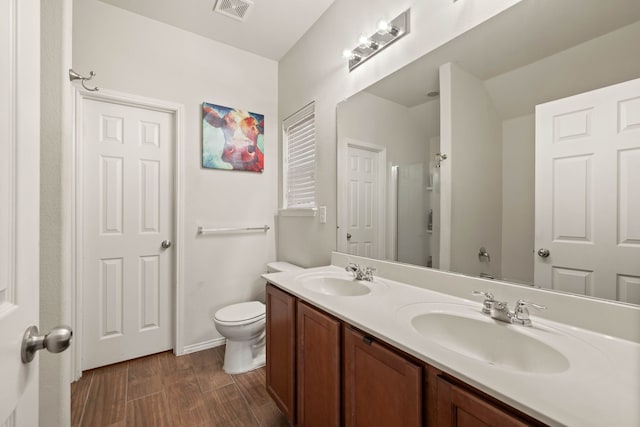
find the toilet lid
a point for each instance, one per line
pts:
(242, 312)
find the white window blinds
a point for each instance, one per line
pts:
(299, 159)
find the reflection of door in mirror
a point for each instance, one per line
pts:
(588, 151)
(363, 232)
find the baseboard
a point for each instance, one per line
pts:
(204, 345)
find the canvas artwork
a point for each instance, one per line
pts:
(232, 139)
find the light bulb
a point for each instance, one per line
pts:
(363, 41)
(347, 54)
(383, 26)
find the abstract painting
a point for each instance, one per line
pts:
(232, 139)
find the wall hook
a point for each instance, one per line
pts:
(75, 76)
(439, 157)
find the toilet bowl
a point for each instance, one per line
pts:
(243, 326)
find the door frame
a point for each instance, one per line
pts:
(343, 174)
(75, 171)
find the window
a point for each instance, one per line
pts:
(299, 145)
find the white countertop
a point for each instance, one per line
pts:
(601, 387)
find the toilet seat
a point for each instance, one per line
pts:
(241, 314)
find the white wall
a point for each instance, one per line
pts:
(518, 198)
(372, 119)
(314, 70)
(136, 55)
(472, 140)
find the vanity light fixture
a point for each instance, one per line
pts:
(386, 33)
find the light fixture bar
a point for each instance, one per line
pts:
(378, 41)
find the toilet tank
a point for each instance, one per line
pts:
(278, 266)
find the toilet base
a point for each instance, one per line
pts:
(243, 356)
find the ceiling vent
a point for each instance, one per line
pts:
(236, 9)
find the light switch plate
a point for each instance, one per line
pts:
(322, 210)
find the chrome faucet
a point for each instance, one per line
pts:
(360, 273)
(499, 310)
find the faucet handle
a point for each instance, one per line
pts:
(352, 266)
(368, 273)
(487, 295)
(524, 303)
(521, 314)
(487, 304)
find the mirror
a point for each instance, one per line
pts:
(399, 198)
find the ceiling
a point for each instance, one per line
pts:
(270, 27)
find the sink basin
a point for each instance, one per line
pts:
(336, 286)
(487, 340)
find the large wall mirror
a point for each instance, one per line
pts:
(511, 153)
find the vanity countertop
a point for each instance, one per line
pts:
(601, 385)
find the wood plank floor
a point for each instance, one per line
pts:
(165, 390)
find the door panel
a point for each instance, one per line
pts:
(19, 206)
(629, 210)
(127, 213)
(588, 193)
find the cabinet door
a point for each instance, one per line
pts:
(281, 333)
(318, 368)
(460, 407)
(381, 387)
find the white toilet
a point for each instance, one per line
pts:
(243, 325)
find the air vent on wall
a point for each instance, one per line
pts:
(236, 9)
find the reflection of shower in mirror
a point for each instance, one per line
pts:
(413, 201)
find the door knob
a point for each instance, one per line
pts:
(166, 244)
(55, 341)
(543, 253)
(348, 236)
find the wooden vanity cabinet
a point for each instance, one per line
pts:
(281, 350)
(323, 372)
(381, 387)
(318, 367)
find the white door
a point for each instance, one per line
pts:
(588, 193)
(363, 198)
(19, 206)
(127, 198)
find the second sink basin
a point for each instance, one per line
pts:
(490, 341)
(337, 284)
